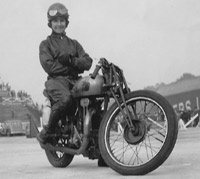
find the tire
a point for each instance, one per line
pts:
(144, 148)
(59, 159)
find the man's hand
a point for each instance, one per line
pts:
(69, 60)
(65, 59)
(76, 63)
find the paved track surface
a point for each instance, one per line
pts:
(22, 158)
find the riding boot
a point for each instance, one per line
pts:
(49, 129)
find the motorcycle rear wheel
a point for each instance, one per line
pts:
(59, 159)
(142, 149)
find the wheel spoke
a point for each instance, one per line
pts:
(146, 115)
(156, 123)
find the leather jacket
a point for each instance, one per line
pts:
(54, 47)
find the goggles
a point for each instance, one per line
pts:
(54, 12)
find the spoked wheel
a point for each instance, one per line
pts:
(144, 146)
(57, 158)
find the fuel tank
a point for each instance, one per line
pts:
(87, 86)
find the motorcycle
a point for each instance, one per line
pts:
(134, 132)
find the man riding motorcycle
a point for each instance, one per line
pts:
(63, 59)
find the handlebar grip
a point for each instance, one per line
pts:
(96, 70)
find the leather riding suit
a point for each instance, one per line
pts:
(63, 59)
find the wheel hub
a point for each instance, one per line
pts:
(136, 134)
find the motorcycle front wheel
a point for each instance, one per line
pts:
(143, 147)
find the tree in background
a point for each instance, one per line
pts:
(13, 94)
(185, 76)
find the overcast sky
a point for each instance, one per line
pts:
(152, 40)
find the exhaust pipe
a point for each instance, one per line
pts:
(86, 132)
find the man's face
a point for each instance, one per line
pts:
(58, 25)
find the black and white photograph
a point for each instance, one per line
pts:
(99, 89)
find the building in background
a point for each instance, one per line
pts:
(183, 95)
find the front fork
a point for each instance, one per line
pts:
(127, 114)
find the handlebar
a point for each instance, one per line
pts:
(102, 63)
(96, 70)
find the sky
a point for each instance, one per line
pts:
(152, 41)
